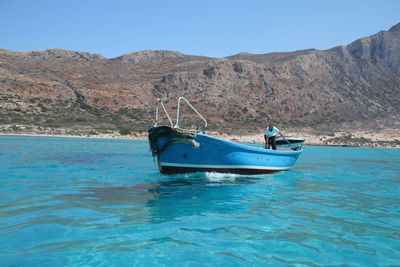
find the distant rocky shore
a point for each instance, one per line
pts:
(386, 138)
(346, 88)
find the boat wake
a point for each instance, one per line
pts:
(218, 177)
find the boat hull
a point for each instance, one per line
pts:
(204, 153)
(184, 169)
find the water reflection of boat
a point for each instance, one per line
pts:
(180, 151)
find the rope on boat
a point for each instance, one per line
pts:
(174, 135)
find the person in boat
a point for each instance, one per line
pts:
(270, 134)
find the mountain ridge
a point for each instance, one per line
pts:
(349, 86)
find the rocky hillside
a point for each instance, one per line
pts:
(354, 87)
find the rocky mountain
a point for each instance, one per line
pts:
(354, 87)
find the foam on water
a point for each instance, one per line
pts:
(74, 202)
(217, 177)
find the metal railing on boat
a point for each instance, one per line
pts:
(159, 102)
(193, 108)
(180, 99)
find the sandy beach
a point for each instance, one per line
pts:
(388, 138)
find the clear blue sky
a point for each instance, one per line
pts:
(215, 28)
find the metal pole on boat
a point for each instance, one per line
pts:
(159, 102)
(193, 108)
(177, 113)
(288, 142)
(169, 118)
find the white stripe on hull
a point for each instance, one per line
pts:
(183, 165)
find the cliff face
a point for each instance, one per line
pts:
(356, 86)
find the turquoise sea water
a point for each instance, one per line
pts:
(96, 202)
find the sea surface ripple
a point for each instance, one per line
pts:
(98, 202)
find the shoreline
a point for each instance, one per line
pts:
(99, 136)
(310, 140)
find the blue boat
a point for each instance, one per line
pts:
(181, 151)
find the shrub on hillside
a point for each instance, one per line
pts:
(124, 130)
